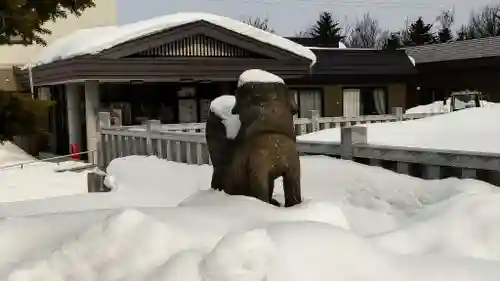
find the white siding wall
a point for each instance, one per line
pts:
(103, 14)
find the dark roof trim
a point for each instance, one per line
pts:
(160, 69)
(317, 42)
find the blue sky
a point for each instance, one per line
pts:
(289, 16)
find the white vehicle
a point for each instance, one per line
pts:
(465, 99)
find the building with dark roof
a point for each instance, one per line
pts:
(173, 74)
(455, 66)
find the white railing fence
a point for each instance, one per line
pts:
(190, 147)
(307, 125)
(317, 123)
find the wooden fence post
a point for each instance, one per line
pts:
(95, 182)
(104, 119)
(398, 111)
(350, 137)
(314, 120)
(151, 126)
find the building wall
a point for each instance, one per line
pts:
(333, 103)
(103, 14)
(332, 100)
(396, 96)
(7, 79)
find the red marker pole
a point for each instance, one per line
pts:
(74, 150)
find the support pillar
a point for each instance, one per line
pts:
(73, 108)
(92, 105)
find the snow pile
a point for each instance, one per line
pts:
(439, 107)
(442, 230)
(38, 179)
(469, 130)
(11, 154)
(95, 40)
(464, 225)
(222, 107)
(258, 76)
(369, 195)
(147, 245)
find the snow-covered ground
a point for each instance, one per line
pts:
(472, 129)
(10, 154)
(162, 223)
(439, 107)
(36, 180)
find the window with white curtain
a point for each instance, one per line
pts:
(309, 99)
(364, 101)
(351, 102)
(380, 100)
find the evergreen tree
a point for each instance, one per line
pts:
(326, 27)
(393, 42)
(420, 33)
(16, 120)
(445, 35)
(21, 21)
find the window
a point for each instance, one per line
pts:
(308, 99)
(374, 101)
(364, 101)
(351, 102)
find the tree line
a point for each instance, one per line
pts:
(366, 32)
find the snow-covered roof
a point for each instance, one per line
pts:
(258, 75)
(95, 40)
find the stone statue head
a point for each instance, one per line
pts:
(264, 95)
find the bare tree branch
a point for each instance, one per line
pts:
(259, 23)
(486, 23)
(367, 34)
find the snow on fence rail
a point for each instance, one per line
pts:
(190, 147)
(316, 123)
(307, 125)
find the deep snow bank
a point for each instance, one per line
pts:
(385, 197)
(357, 223)
(469, 129)
(187, 243)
